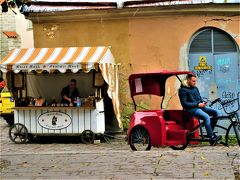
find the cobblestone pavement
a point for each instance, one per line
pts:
(114, 160)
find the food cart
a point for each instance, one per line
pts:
(56, 118)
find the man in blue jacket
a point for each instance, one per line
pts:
(193, 103)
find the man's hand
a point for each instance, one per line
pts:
(68, 99)
(202, 105)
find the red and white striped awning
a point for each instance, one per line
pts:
(62, 59)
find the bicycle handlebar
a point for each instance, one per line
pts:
(215, 101)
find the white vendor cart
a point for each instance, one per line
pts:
(86, 120)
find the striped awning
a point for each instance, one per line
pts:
(62, 59)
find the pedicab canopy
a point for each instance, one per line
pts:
(68, 58)
(151, 83)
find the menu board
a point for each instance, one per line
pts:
(98, 80)
(18, 81)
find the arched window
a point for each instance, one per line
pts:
(212, 41)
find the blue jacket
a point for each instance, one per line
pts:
(189, 98)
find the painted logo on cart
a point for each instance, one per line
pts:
(54, 120)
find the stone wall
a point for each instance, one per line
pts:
(8, 23)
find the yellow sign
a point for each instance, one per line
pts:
(202, 65)
(6, 103)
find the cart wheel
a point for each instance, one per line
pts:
(18, 133)
(140, 139)
(87, 137)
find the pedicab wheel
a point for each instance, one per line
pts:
(180, 147)
(87, 137)
(140, 139)
(18, 133)
(235, 128)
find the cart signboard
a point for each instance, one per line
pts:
(54, 120)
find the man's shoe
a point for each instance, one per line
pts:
(215, 140)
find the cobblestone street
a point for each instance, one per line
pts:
(114, 160)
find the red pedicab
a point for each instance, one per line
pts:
(174, 128)
(158, 127)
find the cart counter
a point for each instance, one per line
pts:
(60, 120)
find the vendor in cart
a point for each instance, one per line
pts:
(70, 92)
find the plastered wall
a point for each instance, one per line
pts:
(139, 44)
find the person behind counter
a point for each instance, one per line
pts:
(70, 92)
